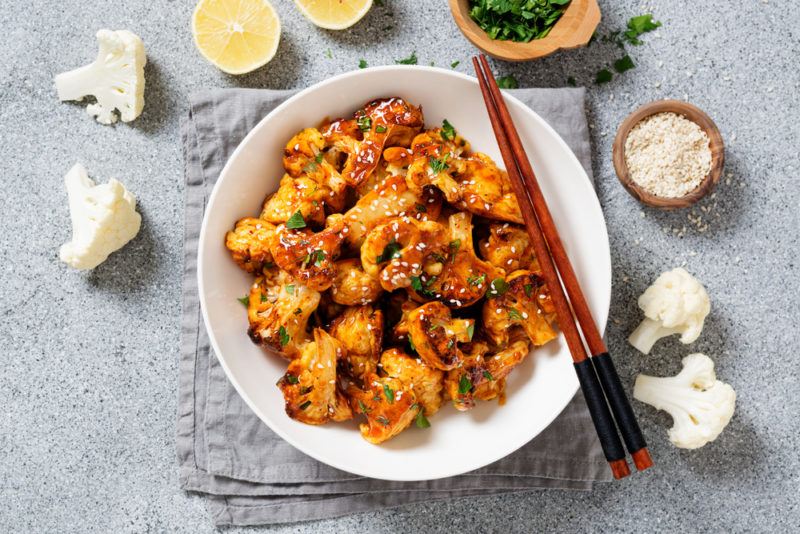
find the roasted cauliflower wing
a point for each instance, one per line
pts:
(508, 247)
(278, 312)
(352, 286)
(301, 194)
(486, 190)
(309, 256)
(384, 123)
(435, 335)
(483, 374)
(360, 331)
(464, 278)
(426, 382)
(310, 387)
(248, 243)
(305, 156)
(525, 304)
(388, 405)
(398, 250)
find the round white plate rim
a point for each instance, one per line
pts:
(603, 262)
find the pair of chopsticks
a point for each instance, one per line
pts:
(598, 379)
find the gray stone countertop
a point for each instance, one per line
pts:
(88, 385)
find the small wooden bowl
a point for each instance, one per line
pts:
(573, 30)
(695, 115)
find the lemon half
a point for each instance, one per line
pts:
(334, 14)
(237, 36)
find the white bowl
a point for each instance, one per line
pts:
(456, 442)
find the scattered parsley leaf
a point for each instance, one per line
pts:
(438, 165)
(476, 280)
(410, 60)
(455, 244)
(383, 420)
(362, 63)
(416, 283)
(296, 221)
(306, 389)
(411, 344)
(380, 129)
(497, 287)
(488, 376)
(639, 25)
(285, 338)
(604, 76)
(528, 289)
(245, 300)
(364, 123)
(318, 157)
(448, 132)
(291, 379)
(516, 20)
(363, 407)
(420, 208)
(451, 343)
(464, 385)
(263, 297)
(290, 289)
(319, 257)
(454, 64)
(390, 252)
(305, 405)
(298, 311)
(328, 54)
(514, 314)
(421, 421)
(507, 82)
(623, 64)
(571, 81)
(471, 330)
(389, 392)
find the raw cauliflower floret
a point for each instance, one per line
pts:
(676, 303)
(104, 219)
(700, 405)
(115, 79)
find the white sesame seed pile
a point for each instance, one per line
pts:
(667, 155)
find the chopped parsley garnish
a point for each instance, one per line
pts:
(422, 288)
(306, 389)
(305, 405)
(389, 392)
(363, 407)
(626, 63)
(245, 300)
(383, 420)
(380, 129)
(420, 208)
(464, 385)
(571, 81)
(421, 421)
(291, 379)
(451, 343)
(455, 244)
(410, 60)
(285, 338)
(298, 311)
(318, 257)
(448, 132)
(639, 25)
(440, 164)
(318, 157)
(454, 64)
(476, 280)
(263, 297)
(411, 344)
(290, 289)
(362, 63)
(390, 252)
(488, 376)
(416, 283)
(528, 289)
(497, 287)
(296, 221)
(328, 54)
(604, 76)
(520, 20)
(364, 123)
(507, 82)
(471, 331)
(514, 314)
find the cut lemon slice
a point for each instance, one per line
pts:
(237, 36)
(334, 14)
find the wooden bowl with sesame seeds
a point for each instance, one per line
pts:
(689, 112)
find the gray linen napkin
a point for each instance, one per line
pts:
(253, 477)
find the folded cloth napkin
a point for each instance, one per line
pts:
(249, 474)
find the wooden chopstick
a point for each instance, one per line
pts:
(544, 245)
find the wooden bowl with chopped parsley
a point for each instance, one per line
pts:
(526, 30)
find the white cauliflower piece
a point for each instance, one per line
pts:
(700, 405)
(676, 303)
(104, 219)
(115, 79)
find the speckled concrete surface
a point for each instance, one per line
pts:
(88, 385)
